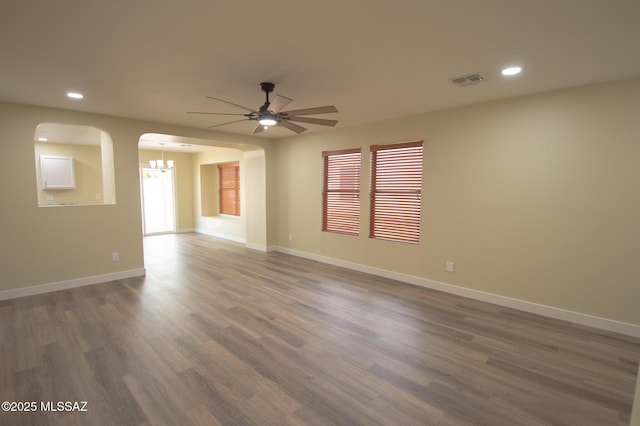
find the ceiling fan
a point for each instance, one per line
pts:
(270, 114)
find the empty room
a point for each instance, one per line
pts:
(339, 213)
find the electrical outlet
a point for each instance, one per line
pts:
(290, 237)
(448, 266)
(115, 256)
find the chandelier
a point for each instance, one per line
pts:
(160, 164)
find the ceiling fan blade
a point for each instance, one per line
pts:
(291, 126)
(278, 103)
(311, 111)
(320, 121)
(231, 103)
(258, 129)
(228, 122)
(213, 113)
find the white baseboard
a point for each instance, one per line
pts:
(259, 247)
(522, 305)
(185, 230)
(253, 246)
(219, 235)
(65, 285)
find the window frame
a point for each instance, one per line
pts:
(394, 215)
(341, 191)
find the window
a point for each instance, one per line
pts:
(341, 191)
(229, 188)
(396, 187)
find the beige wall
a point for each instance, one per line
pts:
(535, 198)
(208, 184)
(255, 197)
(48, 245)
(108, 174)
(87, 164)
(183, 172)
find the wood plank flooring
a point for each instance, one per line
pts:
(217, 334)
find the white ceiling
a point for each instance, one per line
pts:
(68, 134)
(373, 59)
(176, 143)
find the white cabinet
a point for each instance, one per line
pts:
(57, 172)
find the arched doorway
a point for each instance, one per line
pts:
(194, 170)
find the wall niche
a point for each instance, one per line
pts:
(74, 165)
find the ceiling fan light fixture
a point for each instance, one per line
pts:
(268, 120)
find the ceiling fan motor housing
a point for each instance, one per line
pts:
(267, 87)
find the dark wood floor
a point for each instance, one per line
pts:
(220, 334)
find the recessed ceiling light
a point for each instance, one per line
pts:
(75, 95)
(511, 71)
(43, 139)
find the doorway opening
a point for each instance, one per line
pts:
(187, 156)
(158, 201)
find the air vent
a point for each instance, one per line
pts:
(468, 80)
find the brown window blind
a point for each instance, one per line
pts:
(396, 188)
(229, 188)
(341, 191)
